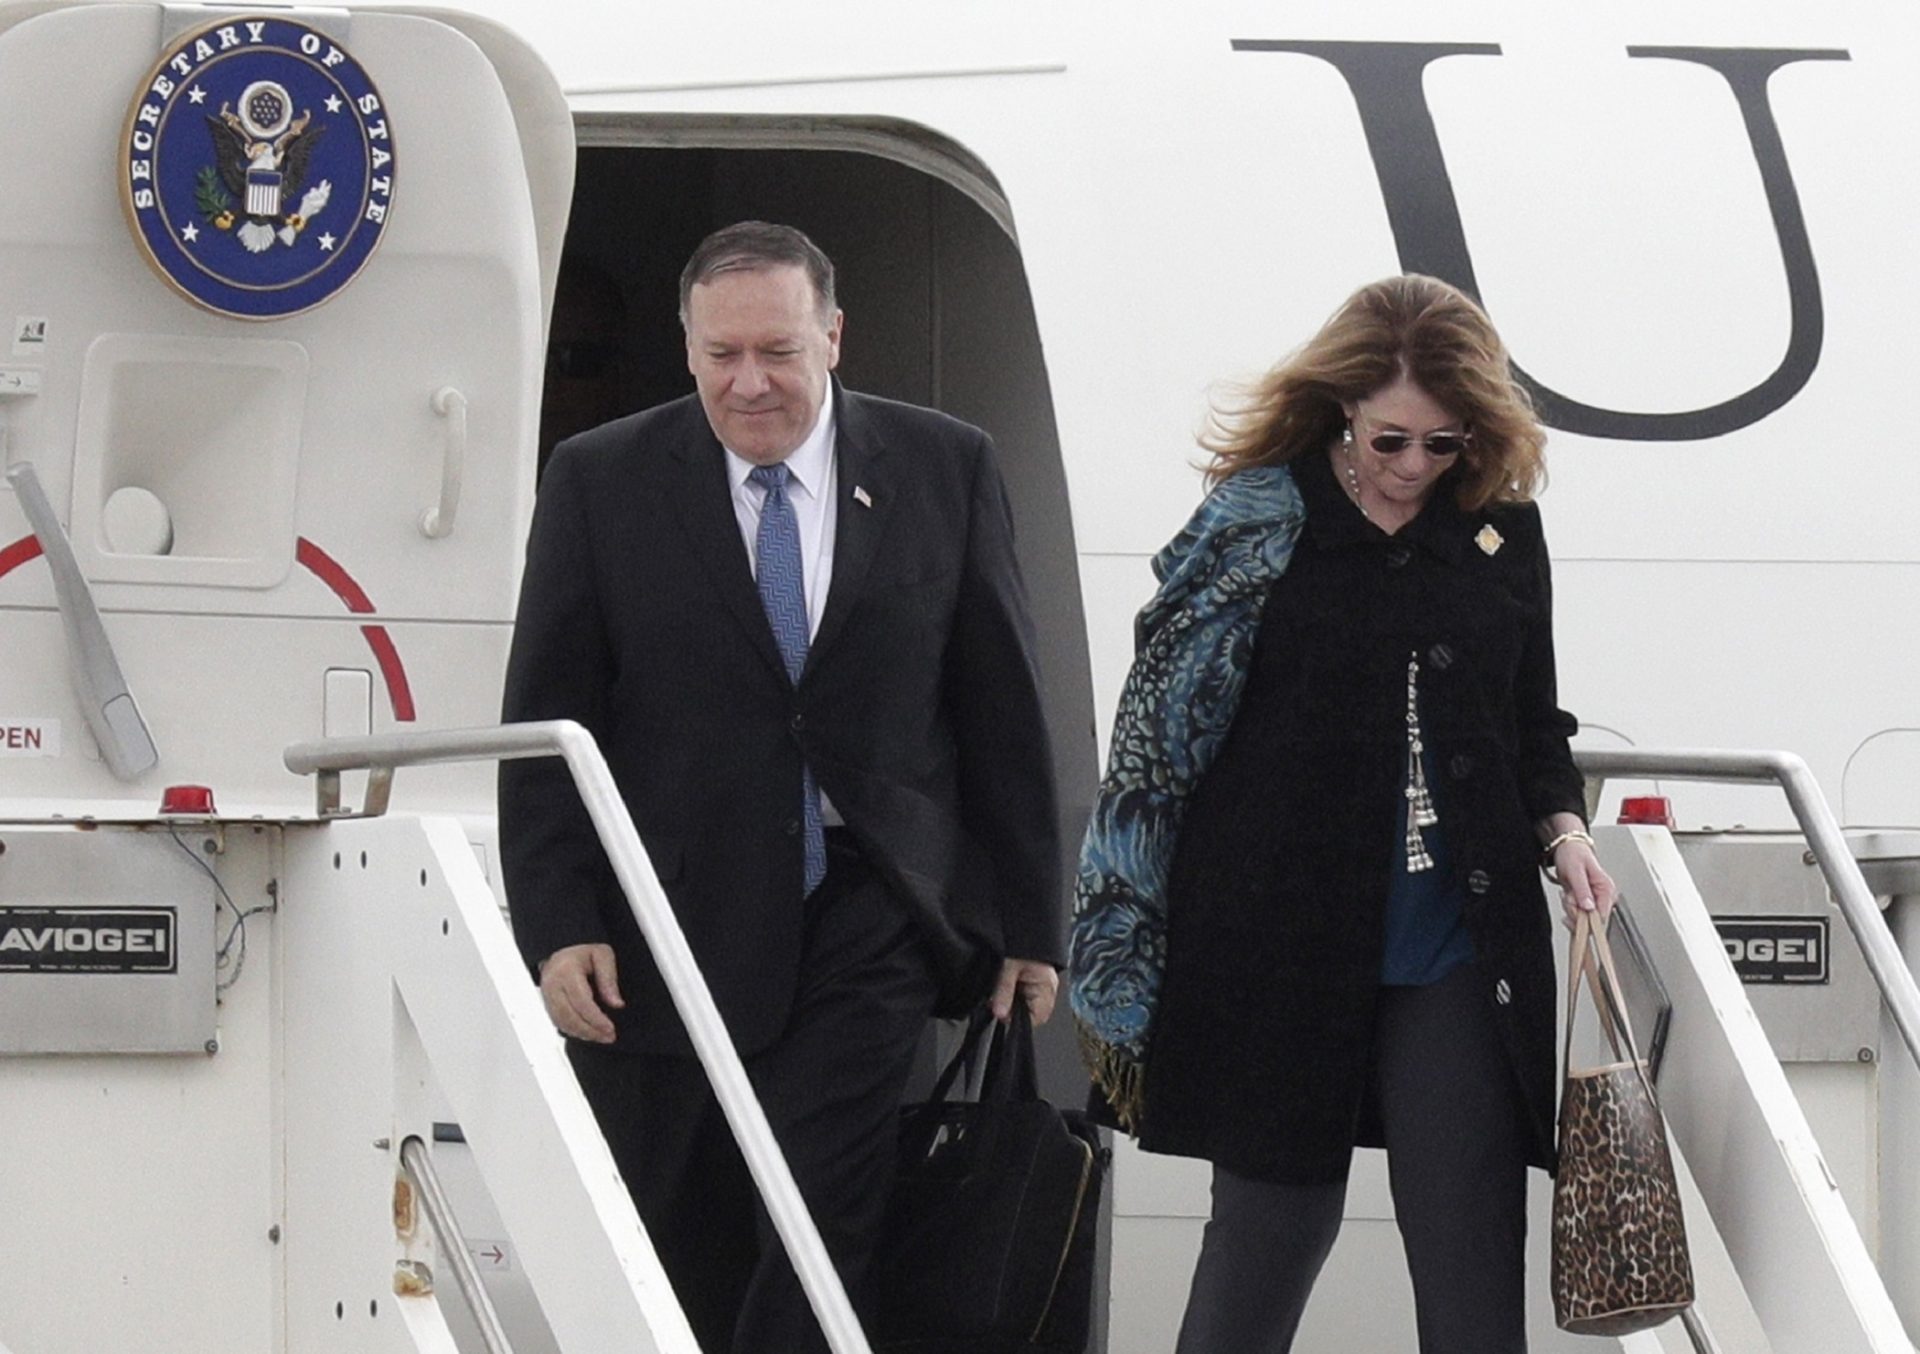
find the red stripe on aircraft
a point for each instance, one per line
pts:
(392, 669)
(17, 554)
(330, 571)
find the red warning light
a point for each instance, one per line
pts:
(1647, 810)
(189, 801)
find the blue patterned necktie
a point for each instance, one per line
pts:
(782, 584)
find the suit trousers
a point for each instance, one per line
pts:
(1456, 1161)
(831, 1086)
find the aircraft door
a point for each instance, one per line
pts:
(272, 302)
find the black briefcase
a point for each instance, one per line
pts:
(989, 1242)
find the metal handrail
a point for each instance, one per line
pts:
(466, 1274)
(671, 955)
(1884, 960)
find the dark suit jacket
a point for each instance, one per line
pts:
(919, 711)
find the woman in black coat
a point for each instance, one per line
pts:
(1357, 946)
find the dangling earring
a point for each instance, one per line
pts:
(1353, 476)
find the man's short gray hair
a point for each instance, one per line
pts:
(751, 247)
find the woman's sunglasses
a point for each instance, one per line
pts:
(1440, 445)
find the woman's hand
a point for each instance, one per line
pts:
(1584, 886)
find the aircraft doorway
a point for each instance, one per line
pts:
(938, 313)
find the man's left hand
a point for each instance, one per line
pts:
(1034, 980)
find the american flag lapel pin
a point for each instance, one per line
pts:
(862, 497)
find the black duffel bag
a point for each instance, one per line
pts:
(989, 1241)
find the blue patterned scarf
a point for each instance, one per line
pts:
(1192, 646)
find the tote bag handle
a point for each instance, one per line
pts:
(1590, 958)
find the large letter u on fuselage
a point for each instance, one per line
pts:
(1385, 78)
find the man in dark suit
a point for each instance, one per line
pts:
(792, 618)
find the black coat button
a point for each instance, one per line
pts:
(797, 723)
(1460, 765)
(1479, 881)
(1441, 656)
(793, 827)
(1398, 556)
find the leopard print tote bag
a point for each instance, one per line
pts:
(1620, 1260)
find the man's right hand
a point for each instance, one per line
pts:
(570, 980)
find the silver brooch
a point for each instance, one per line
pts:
(1489, 540)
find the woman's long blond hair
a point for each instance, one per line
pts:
(1413, 325)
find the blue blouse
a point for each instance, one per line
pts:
(1426, 932)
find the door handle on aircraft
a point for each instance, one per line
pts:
(105, 700)
(437, 521)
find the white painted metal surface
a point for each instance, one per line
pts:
(1898, 987)
(295, 458)
(1798, 1252)
(671, 954)
(1897, 1123)
(387, 971)
(160, 1178)
(264, 1173)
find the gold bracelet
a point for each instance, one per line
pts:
(1546, 855)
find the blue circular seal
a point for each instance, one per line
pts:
(257, 167)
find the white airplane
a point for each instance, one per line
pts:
(271, 410)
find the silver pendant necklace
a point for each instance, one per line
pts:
(1420, 810)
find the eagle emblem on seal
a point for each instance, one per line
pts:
(261, 157)
(257, 166)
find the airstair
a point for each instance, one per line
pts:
(281, 1191)
(1818, 1237)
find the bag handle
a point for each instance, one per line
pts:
(1591, 958)
(1607, 1002)
(1009, 1073)
(964, 1056)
